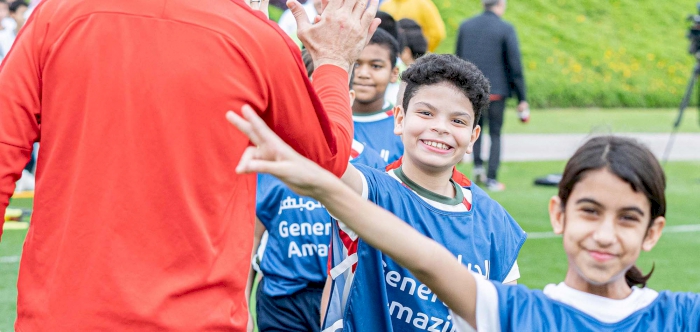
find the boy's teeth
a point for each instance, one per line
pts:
(437, 145)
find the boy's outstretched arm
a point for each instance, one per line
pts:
(431, 263)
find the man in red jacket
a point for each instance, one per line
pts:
(140, 222)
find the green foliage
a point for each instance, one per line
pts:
(603, 53)
(275, 13)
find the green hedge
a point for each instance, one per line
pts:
(604, 53)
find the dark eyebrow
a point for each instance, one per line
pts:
(433, 108)
(633, 208)
(627, 208)
(589, 200)
(460, 113)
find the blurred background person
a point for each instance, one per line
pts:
(4, 14)
(390, 25)
(5, 20)
(414, 44)
(424, 13)
(16, 11)
(30, 7)
(492, 45)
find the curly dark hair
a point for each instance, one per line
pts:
(439, 68)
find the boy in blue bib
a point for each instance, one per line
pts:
(372, 114)
(443, 98)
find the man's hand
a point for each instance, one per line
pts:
(273, 156)
(524, 111)
(340, 33)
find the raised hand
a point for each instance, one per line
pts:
(340, 33)
(273, 156)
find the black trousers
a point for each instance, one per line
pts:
(494, 118)
(299, 312)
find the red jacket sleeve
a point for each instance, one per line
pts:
(316, 120)
(19, 108)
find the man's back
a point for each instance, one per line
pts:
(140, 222)
(483, 40)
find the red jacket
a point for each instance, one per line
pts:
(140, 222)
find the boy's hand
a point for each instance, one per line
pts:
(340, 33)
(273, 156)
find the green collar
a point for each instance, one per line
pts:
(458, 199)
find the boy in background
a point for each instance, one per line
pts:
(415, 45)
(443, 99)
(373, 116)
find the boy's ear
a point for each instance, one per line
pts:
(352, 97)
(556, 215)
(475, 135)
(398, 120)
(653, 234)
(394, 74)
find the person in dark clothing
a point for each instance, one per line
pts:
(492, 45)
(415, 45)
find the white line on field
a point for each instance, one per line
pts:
(534, 235)
(9, 259)
(667, 229)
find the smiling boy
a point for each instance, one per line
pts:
(443, 99)
(373, 116)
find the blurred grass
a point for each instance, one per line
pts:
(275, 13)
(612, 120)
(602, 53)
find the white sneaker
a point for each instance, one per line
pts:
(26, 182)
(493, 185)
(479, 174)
